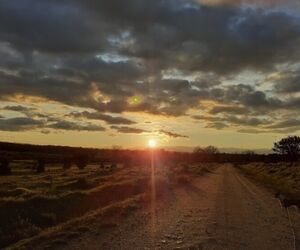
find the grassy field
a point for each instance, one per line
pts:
(37, 205)
(281, 177)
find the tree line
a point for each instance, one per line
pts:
(286, 149)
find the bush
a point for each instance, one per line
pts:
(81, 161)
(82, 183)
(113, 166)
(4, 167)
(185, 168)
(102, 166)
(67, 163)
(40, 168)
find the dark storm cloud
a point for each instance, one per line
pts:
(51, 26)
(98, 54)
(224, 39)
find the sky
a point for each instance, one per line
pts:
(101, 73)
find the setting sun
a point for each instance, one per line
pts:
(152, 143)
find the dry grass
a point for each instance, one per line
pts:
(281, 177)
(30, 202)
(34, 206)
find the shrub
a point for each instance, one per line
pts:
(67, 163)
(81, 161)
(102, 166)
(4, 167)
(185, 168)
(113, 166)
(82, 183)
(40, 168)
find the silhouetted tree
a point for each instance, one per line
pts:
(211, 150)
(198, 150)
(289, 146)
(206, 150)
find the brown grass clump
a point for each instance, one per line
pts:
(282, 177)
(43, 211)
(183, 179)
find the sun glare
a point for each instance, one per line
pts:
(152, 143)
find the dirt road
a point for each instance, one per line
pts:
(221, 210)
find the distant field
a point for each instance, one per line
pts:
(38, 204)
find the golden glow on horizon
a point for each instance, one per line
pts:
(152, 143)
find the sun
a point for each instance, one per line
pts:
(152, 143)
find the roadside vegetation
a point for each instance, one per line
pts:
(282, 177)
(38, 198)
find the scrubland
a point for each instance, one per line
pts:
(35, 206)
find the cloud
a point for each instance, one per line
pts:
(18, 108)
(75, 126)
(51, 26)
(128, 130)
(20, 124)
(286, 131)
(286, 124)
(253, 2)
(104, 117)
(172, 134)
(285, 82)
(26, 124)
(229, 109)
(217, 125)
(99, 54)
